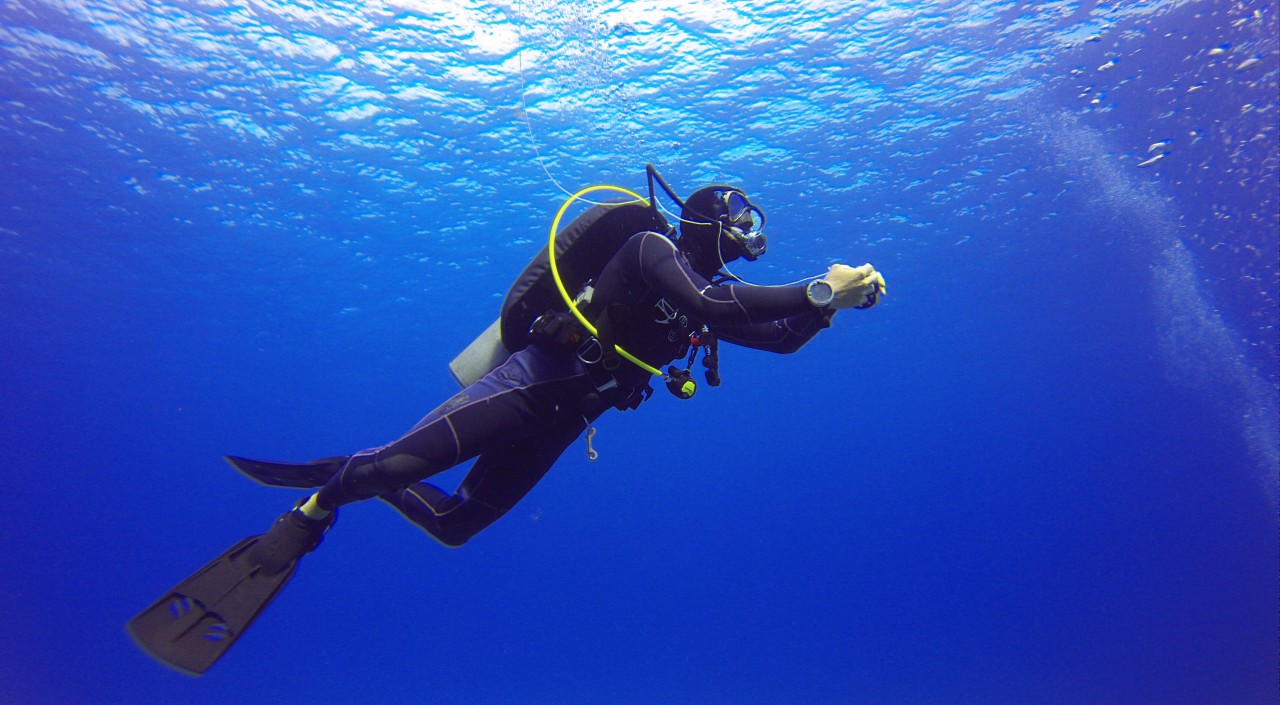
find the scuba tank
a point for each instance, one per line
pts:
(583, 248)
(530, 308)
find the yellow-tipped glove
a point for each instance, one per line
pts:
(855, 287)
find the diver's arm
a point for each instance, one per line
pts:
(785, 336)
(847, 287)
(724, 304)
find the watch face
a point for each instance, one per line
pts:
(820, 293)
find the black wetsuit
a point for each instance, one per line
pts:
(519, 418)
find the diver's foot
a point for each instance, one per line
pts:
(293, 536)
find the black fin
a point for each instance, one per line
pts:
(298, 475)
(196, 622)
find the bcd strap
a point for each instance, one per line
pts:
(559, 328)
(634, 398)
(562, 330)
(606, 332)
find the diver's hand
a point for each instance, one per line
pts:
(855, 287)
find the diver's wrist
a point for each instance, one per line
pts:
(820, 293)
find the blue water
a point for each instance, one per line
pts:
(1043, 471)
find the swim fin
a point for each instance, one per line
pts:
(300, 475)
(196, 622)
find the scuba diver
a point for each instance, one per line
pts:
(613, 294)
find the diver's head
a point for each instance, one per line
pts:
(719, 225)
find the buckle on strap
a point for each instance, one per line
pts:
(590, 352)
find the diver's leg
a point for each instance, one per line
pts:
(497, 481)
(512, 404)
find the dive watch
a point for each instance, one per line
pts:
(820, 293)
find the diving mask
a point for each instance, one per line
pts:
(739, 224)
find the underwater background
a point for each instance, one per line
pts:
(1042, 471)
